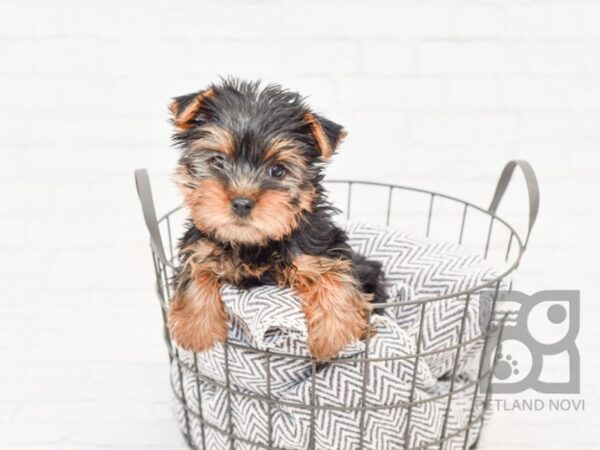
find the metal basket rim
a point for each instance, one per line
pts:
(463, 293)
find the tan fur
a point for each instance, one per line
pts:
(281, 150)
(243, 187)
(291, 158)
(216, 139)
(333, 303)
(200, 251)
(197, 318)
(209, 204)
(319, 134)
(273, 215)
(183, 118)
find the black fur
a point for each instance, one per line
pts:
(255, 116)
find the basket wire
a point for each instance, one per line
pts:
(164, 265)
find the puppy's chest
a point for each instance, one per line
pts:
(248, 270)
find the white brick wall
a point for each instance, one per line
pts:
(435, 94)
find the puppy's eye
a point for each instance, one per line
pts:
(217, 161)
(277, 171)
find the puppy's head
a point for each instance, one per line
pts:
(251, 159)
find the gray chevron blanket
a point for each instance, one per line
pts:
(270, 319)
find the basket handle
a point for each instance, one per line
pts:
(142, 183)
(532, 189)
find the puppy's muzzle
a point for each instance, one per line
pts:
(242, 206)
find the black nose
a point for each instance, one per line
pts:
(242, 206)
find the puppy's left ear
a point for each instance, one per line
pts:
(186, 108)
(328, 135)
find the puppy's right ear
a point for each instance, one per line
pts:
(327, 134)
(186, 108)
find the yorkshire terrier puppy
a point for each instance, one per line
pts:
(250, 172)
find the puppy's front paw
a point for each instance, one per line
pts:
(329, 333)
(334, 304)
(197, 327)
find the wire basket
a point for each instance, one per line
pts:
(428, 213)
